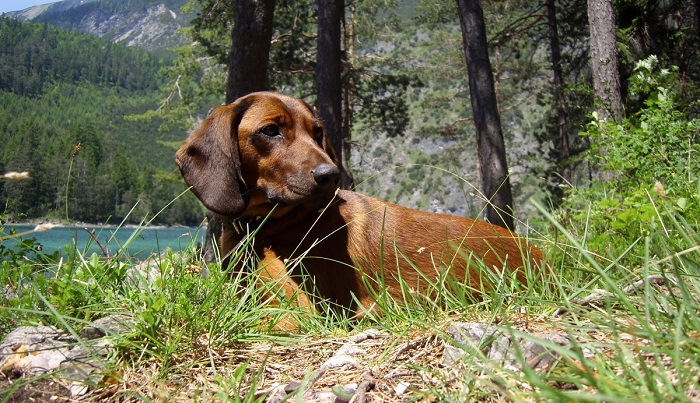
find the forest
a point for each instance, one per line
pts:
(65, 97)
(407, 116)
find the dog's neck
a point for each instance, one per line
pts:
(246, 225)
(235, 232)
(237, 229)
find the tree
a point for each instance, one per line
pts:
(250, 48)
(604, 59)
(251, 37)
(558, 81)
(605, 67)
(492, 167)
(329, 81)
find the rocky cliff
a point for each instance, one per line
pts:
(147, 24)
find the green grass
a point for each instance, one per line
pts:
(207, 337)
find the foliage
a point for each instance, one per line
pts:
(651, 156)
(644, 290)
(427, 49)
(21, 266)
(34, 55)
(382, 100)
(639, 343)
(62, 120)
(199, 71)
(668, 30)
(188, 326)
(658, 143)
(114, 169)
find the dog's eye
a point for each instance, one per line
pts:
(271, 131)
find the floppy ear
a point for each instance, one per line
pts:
(210, 162)
(328, 148)
(325, 143)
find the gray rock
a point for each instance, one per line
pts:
(108, 326)
(144, 275)
(81, 362)
(499, 346)
(10, 293)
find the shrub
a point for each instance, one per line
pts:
(652, 157)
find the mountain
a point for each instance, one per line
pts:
(148, 24)
(66, 99)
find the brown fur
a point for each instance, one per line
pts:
(268, 151)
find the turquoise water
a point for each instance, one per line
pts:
(137, 242)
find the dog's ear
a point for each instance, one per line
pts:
(328, 148)
(210, 162)
(325, 143)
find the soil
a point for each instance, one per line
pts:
(37, 390)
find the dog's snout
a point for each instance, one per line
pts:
(326, 175)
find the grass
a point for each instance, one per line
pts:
(205, 338)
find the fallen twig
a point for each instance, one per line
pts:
(365, 385)
(598, 295)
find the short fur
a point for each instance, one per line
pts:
(266, 155)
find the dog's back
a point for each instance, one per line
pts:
(359, 241)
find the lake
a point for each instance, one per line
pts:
(141, 241)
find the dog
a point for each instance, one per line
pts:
(264, 165)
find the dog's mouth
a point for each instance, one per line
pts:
(293, 195)
(302, 192)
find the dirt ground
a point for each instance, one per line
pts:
(38, 390)
(371, 366)
(382, 367)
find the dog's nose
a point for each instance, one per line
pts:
(326, 176)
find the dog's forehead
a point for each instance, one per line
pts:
(282, 109)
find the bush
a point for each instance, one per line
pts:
(652, 157)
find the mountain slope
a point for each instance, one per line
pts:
(34, 55)
(148, 24)
(64, 97)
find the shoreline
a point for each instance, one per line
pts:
(81, 225)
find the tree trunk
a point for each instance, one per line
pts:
(329, 83)
(604, 66)
(348, 31)
(251, 38)
(604, 60)
(558, 81)
(250, 48)
(492, 167)
(697, 18)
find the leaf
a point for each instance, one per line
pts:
(681, 203)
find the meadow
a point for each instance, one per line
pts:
(623, 290)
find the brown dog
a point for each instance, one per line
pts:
(266, 155)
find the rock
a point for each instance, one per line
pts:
(501, 347)
(145, 275)
(79, 362)
(32, 349)
(108, 326)
(10, 293)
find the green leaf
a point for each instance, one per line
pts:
(682, 202)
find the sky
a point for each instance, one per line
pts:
(15, 5)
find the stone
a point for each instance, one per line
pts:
(495, 344)
(80, 362)
(108, 326)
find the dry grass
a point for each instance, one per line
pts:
(308, 368)
(383, 367)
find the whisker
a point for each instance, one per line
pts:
(250, 190)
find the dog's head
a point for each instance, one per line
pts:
(265, 149)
